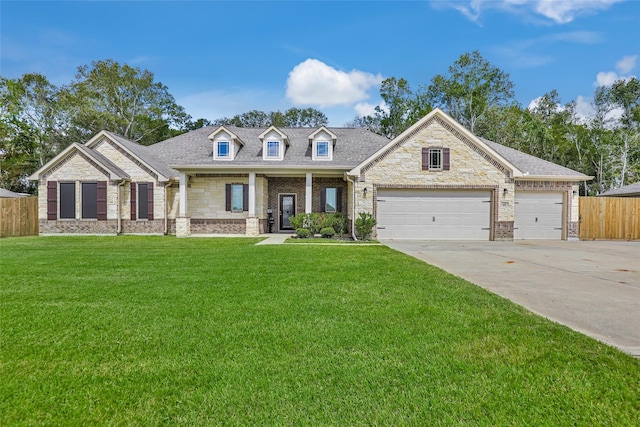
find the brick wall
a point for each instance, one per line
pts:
(80, 226)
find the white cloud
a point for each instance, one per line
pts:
(606, 78)
(558, 11)
(624, 67)
(627, 64)
(313, 82)
(368, 109)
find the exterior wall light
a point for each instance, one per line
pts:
(364, 192)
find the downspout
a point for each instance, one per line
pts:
(119, 226)
(353, 207)
(166, 208)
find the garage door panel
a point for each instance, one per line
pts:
(538, 215)
(434, 215)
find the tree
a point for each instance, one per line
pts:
(124, 100)
(33, 128)
(293, 117)
(619, 111)
(401, 109)
(470, 89)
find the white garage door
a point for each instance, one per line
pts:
(538, 215)
(433, 215)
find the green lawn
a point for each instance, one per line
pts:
(158, 330)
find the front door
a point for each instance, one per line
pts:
(287, 210)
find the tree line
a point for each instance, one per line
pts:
(605, 145)
(38, 119)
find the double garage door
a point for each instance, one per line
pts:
(463, 215)
(433, 214)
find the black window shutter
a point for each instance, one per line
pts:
(133, 198)
(339, 199)
(425, 159)
(150, 201)
(227, 197)
(245, 197)
(446, 159)
(52, 200)
(101, 190)
(323, 199)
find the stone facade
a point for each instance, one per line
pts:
(77, 167)
(470, 169)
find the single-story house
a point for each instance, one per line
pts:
(434, 181)
(631, 190)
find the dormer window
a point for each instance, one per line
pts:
(274, 144)
(322, 149)
(322, 143)
(273, 149)
(223, 149)
(225, 144)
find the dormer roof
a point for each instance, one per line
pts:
(333, 136)
(284, 136)
(232, 135)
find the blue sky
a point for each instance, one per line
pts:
(224, 58)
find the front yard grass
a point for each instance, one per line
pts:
(158, 330)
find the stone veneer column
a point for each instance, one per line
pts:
(253, 227)
(183, 226)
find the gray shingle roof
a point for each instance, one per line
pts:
(194, 148)
(530, 165)
(627, 190)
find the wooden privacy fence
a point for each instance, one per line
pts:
(18, 216)
(615, 218)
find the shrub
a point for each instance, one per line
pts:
(340, 223)
(302, 233)
(327, 232)
(364, 225)
(297, 221)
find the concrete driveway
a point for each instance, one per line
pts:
(591, 286)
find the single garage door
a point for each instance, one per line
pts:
(433, 215)
(538, 215)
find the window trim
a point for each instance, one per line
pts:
(317, 144)
(268, 145)
(229, 197)
(67, 184)
(220, 144)
(435, 159)
(334, 191)
(444, 157)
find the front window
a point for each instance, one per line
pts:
(143, 201)
(236, 197)
(90, 200)
(273, 148)
(67, 200)
(322, 149)
(435, 159)
(331, 201)
(223, 149)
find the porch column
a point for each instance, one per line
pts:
(307, 195)
(252, 222)
(252, 194)
(183, 223)
(183, 194)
